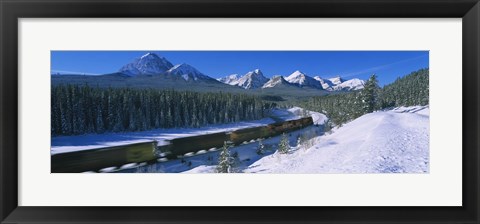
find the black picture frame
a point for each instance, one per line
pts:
(12, 10)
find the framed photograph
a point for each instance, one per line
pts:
(246, 112)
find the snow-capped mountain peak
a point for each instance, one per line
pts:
(229, 79)
(299, 78)
(352, 84)
(148, 64)
(326, 84)
(149, 55)
(336, 80)
(338, 83)
(252, 80)
(187, 72)
(255, 72)
(275, 81)
(296, 77)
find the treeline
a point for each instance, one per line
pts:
(410, 90)
(82, 109)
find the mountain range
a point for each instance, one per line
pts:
(255, 80)
(153, 71)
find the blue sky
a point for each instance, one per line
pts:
(388, 65)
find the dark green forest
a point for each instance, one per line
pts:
(81, 109)
(410, 90)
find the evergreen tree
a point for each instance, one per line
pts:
(369, 94)
(225, 161)
(283, 146)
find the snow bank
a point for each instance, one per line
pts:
(416, 109)
(202, 169)
(318, 118)
(395, 141)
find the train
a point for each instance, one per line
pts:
(181, 146)
(99, 158)
(150, 152)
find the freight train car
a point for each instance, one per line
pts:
(184, 145)
(287, 126)
(239, 136)
(96, 159)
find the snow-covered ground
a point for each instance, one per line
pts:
(91, 141)
(390, 141)
(394, 141)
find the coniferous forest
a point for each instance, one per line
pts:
(410, 90)
(81, 109)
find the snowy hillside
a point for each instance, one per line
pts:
(395, 141)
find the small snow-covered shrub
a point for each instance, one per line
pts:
(260, 148)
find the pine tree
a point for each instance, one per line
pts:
(283, 146)
(99, 121)
(369, 94)
(225, 161)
